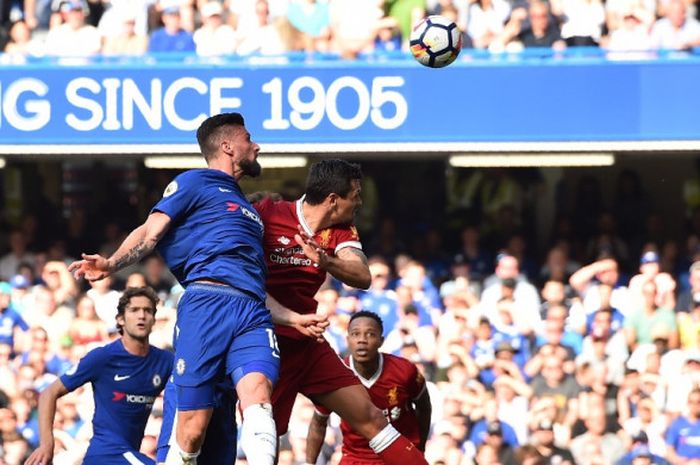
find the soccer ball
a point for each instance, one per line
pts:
(436, 41)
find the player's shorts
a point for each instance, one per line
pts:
(219, 446)
(125, 458)
(348, 460)
(221, 329)
(310, 368)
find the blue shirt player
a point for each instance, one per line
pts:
(9, 318)
(126, 375)
(211, 239)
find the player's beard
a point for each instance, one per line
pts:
(250, 168)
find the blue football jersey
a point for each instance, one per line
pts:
(124, 389)
(215, 233)
(9, 319)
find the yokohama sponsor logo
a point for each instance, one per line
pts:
(132, 398)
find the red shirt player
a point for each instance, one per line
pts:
(395, 386)
(304, 240)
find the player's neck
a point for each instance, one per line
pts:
(316, 217)
(366, 369)
(135, 346)
(224, 165)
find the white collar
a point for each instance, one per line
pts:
(368, 383)
(300, 216)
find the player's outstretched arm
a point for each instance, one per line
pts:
(349, 266)
(424, 410)
(311, 325)
(315, 438)
(139, 243)
(43, 455)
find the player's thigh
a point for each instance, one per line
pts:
(125, 458)
(294, 367)
(326, 371)
(345, 460)
(205, 328)
(254, 346)
(353, 404)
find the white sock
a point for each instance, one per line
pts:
(383, 439)
(177, 456)
(259, 435)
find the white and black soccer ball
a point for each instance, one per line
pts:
(436, 41)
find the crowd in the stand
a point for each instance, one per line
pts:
(348, 28)
(551, 361)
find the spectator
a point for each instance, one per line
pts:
(640, 323)
(171, 37)
(73, 38)
(589, 280)
(213, 38)
(87, 326)
(10, 320)
(126, 41)
(631, 35)
(683, 435)
(676, 30)
(686, 298)
(540, 31)
(583, 21)
(525, 296)
(542, 437)
(378, 298)
(353, 25)
(595, 438)
(263, 36)
(486, 21)
(650, 270)
(311, 18)
(18, 254)
(22, 43)
(106, 300)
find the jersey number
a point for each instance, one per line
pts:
(273, 343)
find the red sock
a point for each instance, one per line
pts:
(402, 452)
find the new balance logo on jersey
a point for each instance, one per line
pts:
(284, 240)
(121, 378)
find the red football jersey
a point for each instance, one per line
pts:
(292, 278)
(392, 389)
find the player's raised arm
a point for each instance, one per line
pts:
(139, 243)
(312, 324)
(43, 455)
(316, 436)
(348, 266)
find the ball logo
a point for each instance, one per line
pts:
(170, 189)
(180, 366)
(156, 380)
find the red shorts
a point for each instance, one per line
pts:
(307, 367)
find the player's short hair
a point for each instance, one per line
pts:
(130, 293)
(368, 314)
(327, 177)
(210, 126)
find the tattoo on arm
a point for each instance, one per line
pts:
(357, 252)
(131, 256)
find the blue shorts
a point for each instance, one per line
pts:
(219, 446)
(125, 458)
(220, 330)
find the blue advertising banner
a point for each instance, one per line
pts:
(496, 100)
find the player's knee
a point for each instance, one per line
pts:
(191, 427)
(371, 422)
(254, 388)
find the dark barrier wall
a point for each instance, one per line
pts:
(496, 99)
